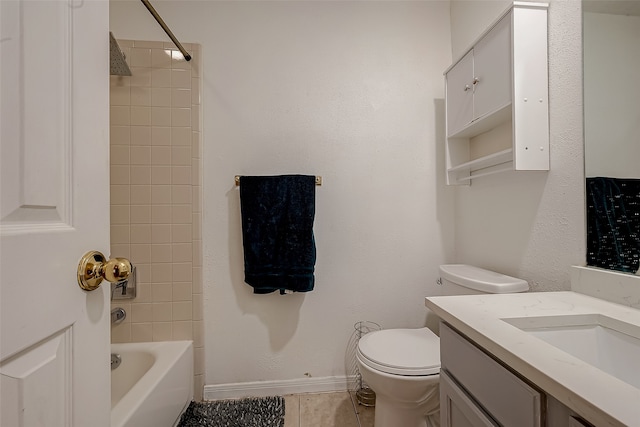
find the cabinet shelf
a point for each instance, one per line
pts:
(487, 165)
(485, 123)
(497, 105)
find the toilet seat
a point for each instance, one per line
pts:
(409, 352)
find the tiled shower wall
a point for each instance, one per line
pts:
(156, 194)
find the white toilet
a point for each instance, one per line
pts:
(402, 366)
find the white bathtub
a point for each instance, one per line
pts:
(153, 385)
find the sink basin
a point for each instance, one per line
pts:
(608, 344)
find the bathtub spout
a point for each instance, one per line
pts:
(116, 360)
(118, 315)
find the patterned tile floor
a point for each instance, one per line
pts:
(338, 409)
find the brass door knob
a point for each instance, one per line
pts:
(93, 268)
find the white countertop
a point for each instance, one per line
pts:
(595, 395)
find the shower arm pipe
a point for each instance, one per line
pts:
(166, 29)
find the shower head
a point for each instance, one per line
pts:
(118, 65)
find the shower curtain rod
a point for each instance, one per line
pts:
(166, 29)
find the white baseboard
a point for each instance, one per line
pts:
(278, 387)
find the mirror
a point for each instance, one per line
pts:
(611, 36)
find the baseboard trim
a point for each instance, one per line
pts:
(278, 387)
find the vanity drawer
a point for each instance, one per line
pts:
(508, 399)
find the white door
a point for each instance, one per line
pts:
(54, 348)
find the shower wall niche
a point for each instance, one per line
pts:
(156, 197)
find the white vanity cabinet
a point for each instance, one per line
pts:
(477, 390)
(497, 98)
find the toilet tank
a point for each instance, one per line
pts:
(463, 279)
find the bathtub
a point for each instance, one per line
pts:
(153, 385)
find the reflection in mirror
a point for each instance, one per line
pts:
(611, 36)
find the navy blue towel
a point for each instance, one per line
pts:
(277, 232)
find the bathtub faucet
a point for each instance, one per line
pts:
(123, 285)
(127, 287)
(118, 315)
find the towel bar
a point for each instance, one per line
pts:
(318, 180)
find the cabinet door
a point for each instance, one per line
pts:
(508, 399)
(457, 409)
(460, 94)
(492, 70)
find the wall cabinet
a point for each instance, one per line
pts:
(480, 83)
(497, 98)
(477, 390)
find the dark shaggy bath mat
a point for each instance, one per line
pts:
(250, 412)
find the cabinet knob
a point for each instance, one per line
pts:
(467, 87)
(476, 80)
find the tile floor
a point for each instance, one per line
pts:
(339, 409)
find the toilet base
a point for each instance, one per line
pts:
(391, 414)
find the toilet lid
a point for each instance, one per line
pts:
(401, 351)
